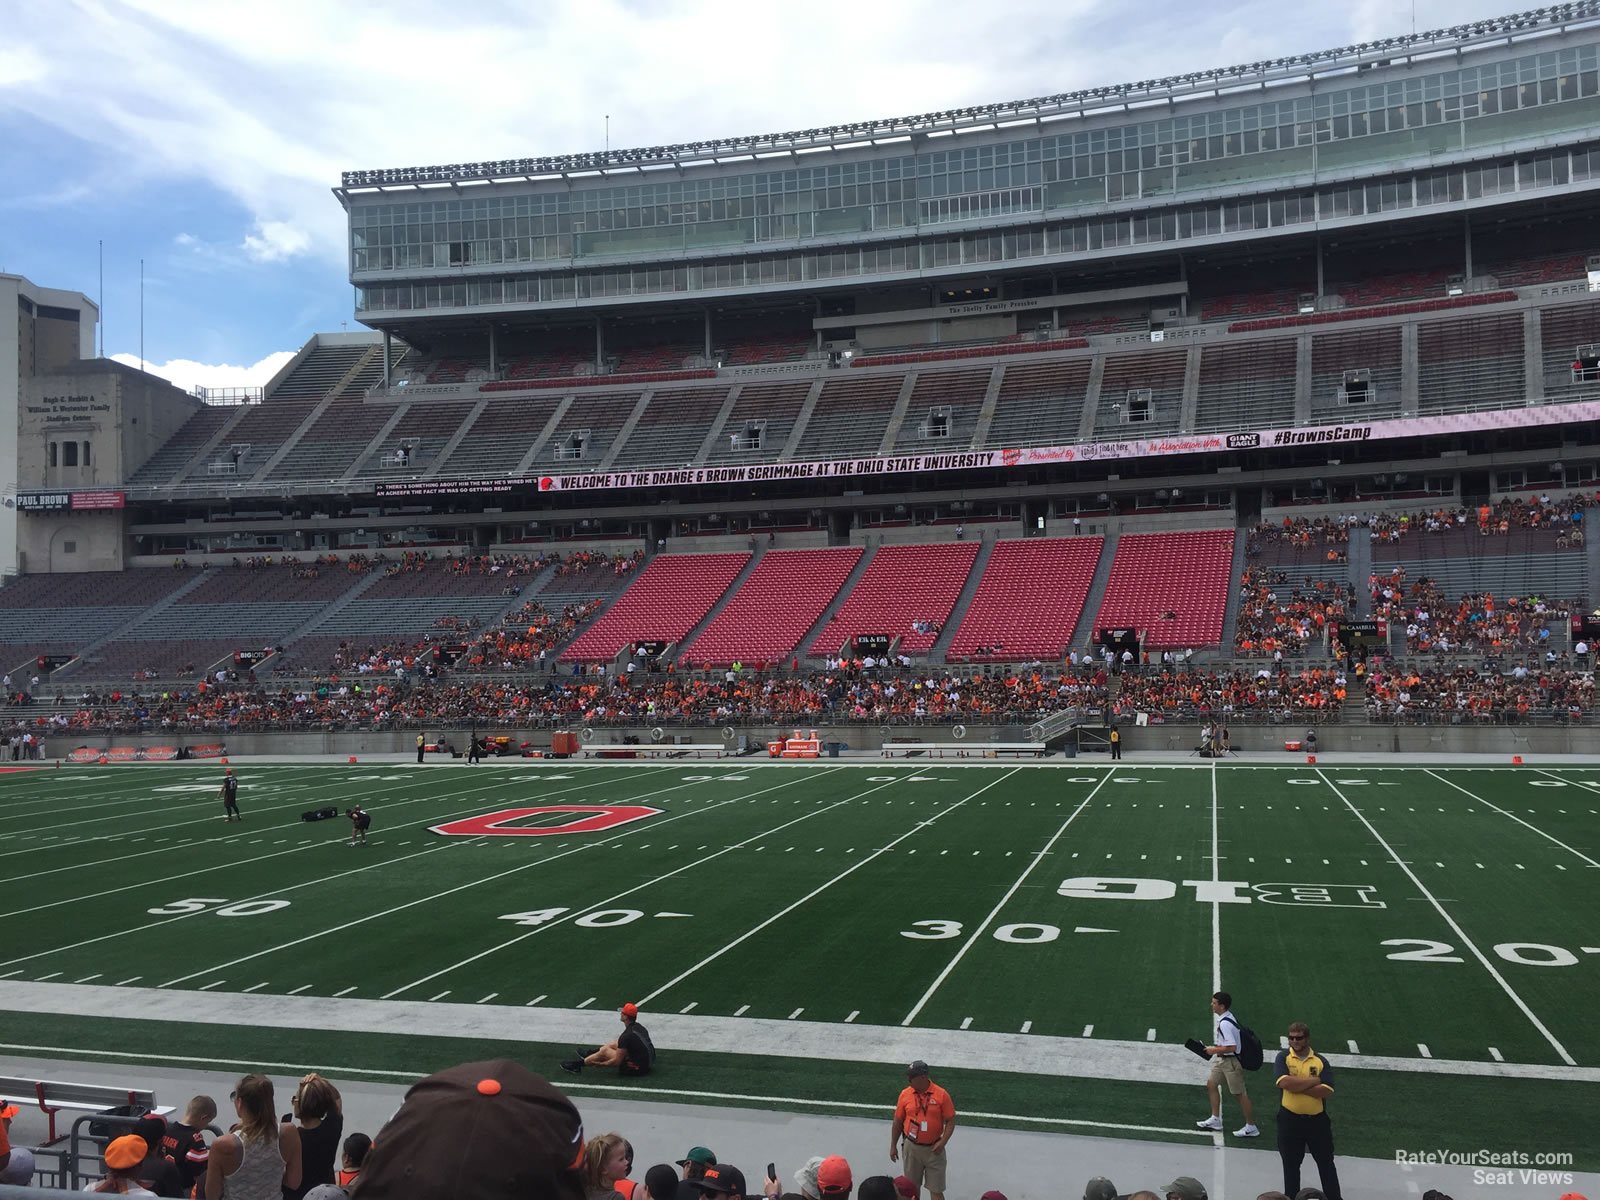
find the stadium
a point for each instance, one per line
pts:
(1250, 414)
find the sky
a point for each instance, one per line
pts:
(202, 138)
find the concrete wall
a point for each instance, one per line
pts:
(1255, 744)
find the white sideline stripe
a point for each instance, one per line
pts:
(1033, 863)
(614, 840)
(1450, 921)
(1519, 820)
(1030, 1054)
(1216, 905)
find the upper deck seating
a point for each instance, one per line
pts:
(1246, 386)
(1470, 362)
(672, 427)
(771, 409)
(850, 416)
(961, 392)
(1040, 404)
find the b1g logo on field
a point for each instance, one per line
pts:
(585, 818)
(1223, 891)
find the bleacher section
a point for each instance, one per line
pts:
(585, 434)
(315, 374)
(1562, 331)
(1246, 385)
(62, 614)
(671, 597)
(902, 585)
(783, 597)
(959, 392)
(1470, 362)
(771, 407)
(430, 422)
(183, 445)
(1159, 371)
(1028, 600)
(1040, 404)
(415, 603)
(1171, 587)
(672, 428)
(1376, 351)
(502, 435)
(850, 416)
(335, 440)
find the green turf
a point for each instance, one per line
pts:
(928, 895)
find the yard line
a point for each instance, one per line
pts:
(1450, 921)
(302, 988)
(599, 904)
(43, 978)
(133, 979)
(689, 1007)
(534, 1001)
(585, 1004)
(256, 987)
(87, 978)
(213, 983)
(1519, 820)
(386, 912)
(485, 1000)
(1216, 906)
(346, 991)
(983, 925)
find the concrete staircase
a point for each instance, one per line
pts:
(1097, 593)
(837, 603)
(939, 651)
(722, 603)
(1230, 616)
(138, 618)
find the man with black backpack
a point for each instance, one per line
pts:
(1233, 1051)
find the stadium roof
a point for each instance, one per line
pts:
(1345, 59)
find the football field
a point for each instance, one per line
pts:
(1053, 933)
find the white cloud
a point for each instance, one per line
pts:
(188, 374)
(276, 241)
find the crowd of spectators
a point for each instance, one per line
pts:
(1564, 515)
(526, 637)
(580, 561)
(1278, 695)
(1462, 695)
(1329, 534)
(1277, 618)
(1476, 623)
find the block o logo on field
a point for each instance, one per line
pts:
(587, 818)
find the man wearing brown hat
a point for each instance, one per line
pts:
(480, 1131)
(924, 1119)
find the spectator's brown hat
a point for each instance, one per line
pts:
(1099, 1188)
(1186, 1186)
(480, 1131)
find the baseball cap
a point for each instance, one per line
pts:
(903, 1185)
(327, 1191)
(485, 1131)
(151, 1128)
(125, 1153)
(1099, 1188)
(630, 1010)
(917, 1067)
(1186, 1186)
(876, 1187)
(993, 1196)
(7, 1111)
(722, 1179)
(833, 1176)
(698, 1154)
(1314, 1193)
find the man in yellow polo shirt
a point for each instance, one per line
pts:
(925, 1117)
(1305, 1079)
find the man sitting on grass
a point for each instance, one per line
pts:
(633, 1053)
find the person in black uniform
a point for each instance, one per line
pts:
(230, 797)
(633, 1053)
(1116, 743)
(360, 822)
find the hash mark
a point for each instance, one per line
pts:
(1424, 1051)
(743, 1008)
(853, 1015)
(440, 996)
(352, 988)
(1088, 1031)
(966, 1022)
(1027, 1025)
(795, 1013)
(1354, 1049)
(1149, 1035)
(300, 989)
(1496, 1055)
